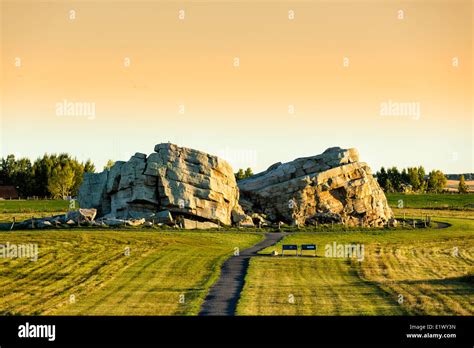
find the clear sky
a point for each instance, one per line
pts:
(249, 81)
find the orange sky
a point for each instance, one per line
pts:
(240, 111)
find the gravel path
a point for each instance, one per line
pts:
(224, 294)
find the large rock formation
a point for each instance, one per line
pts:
(196, 190)
(172, 181)
(333, 186)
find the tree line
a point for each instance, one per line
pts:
(54, 175)
(415, 179)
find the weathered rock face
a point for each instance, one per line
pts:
(331, 186)
(181, 181)
(181, 185)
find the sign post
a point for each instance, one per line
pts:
(310, 247)
(289, 247)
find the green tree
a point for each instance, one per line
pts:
(240, 174)
(436, 181)
(395, 178)
(61, 182)
(404, 177)
(42, 169)
(462, 187)
(7, 169)
(89, 167)
(422, 179)
(382, 178)
(414, 178)
(23, 178)
(109, 164)
(17, 172)
(389, 186)
(33, 179)
(248, 173)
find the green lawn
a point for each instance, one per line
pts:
(88, 273)
(317, 287)
(409, 213)
(33, 206)
(26, 209)
(432, 200)
(417, 265)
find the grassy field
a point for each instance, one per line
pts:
(26, 209)
(432, 200)
(86, 272)
(316, 287)
(83, 272)
(33, 206)
(402, 272)
(410, 213)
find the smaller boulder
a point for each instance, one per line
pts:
(260, 220)
(192, 224)
(82, 215)
(135, 222)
